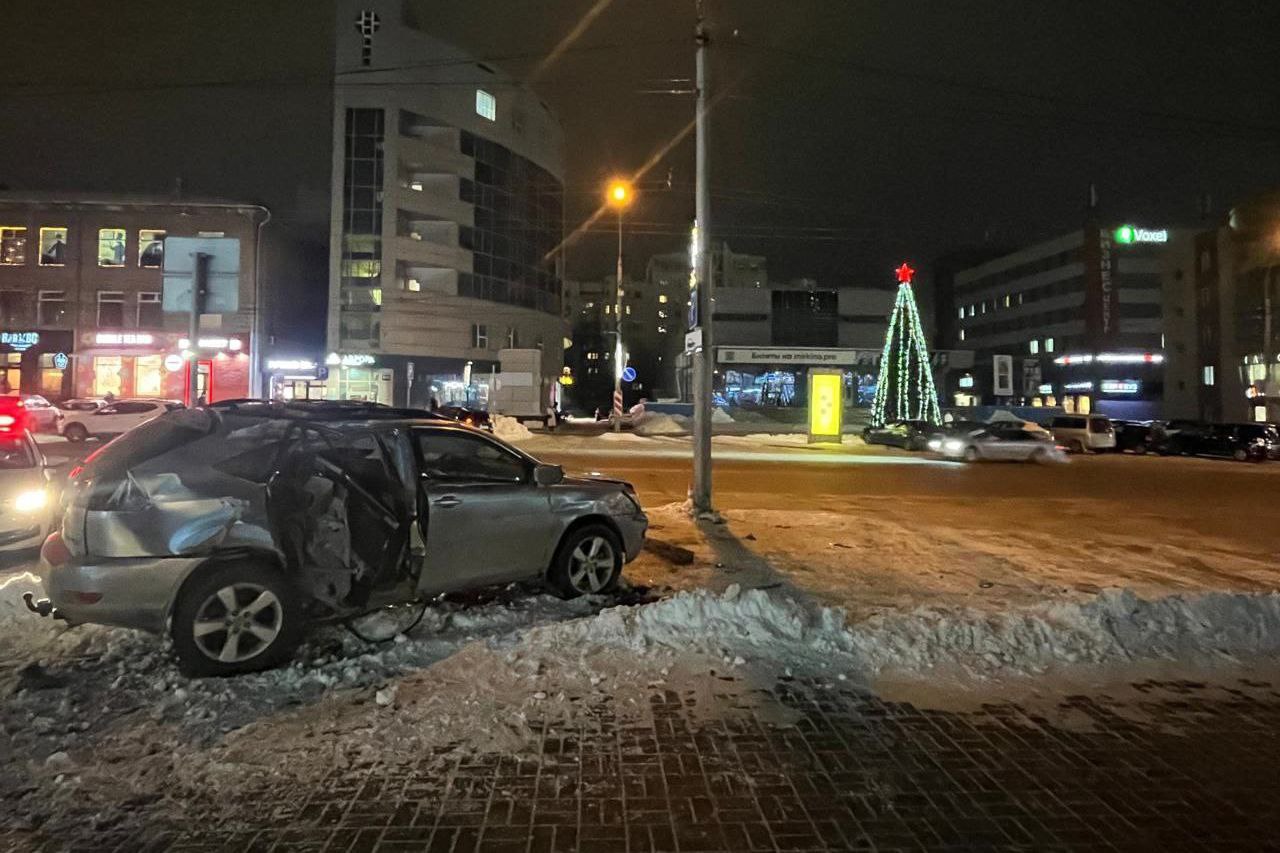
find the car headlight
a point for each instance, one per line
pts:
(954, 445)
(935, 444)
(31, 501)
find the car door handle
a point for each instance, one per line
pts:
(446, 502)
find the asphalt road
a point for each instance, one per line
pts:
(1217, 497)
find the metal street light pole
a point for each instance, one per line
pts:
(703, 356)
(617, 348)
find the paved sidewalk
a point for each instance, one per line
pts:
(1189, 767)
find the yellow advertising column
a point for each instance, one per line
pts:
(826, 404)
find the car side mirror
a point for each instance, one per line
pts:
(548, 475)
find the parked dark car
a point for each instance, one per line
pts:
(909, 435)
(1242, 442)
(1137, 436)
(471, 417)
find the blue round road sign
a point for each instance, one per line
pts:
(628, 374)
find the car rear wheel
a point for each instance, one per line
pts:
(1240, 455)
(1076, 446)
(238, 617)
(75, 432)
(589, 561)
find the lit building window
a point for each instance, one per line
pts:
(53, 248)
(375, 296)
(973, 310)
(412, 285)
(151, 248)
(150, 312)
(50, 377)
(110, 309)
(479, 336)
(147, 376)
(961, 312)
(486, 105)
(1208, 374)
(962, 334)
(106, 375)
(11, 374)
(662, 298)
(1048, 344)
(513, 337)
(13, 246)
(1007, 300)
(111, 243)
(984, 306)
(1035, 347)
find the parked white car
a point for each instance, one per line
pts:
(114, 418)
(1003, 445)
(1084, 433)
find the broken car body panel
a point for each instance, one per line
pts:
(357, 511)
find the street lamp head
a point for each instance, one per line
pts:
(619, 193)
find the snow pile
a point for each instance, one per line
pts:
(720, 416)
(655, 423)
(510, 429)
(1116, 626)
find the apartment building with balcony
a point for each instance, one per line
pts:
(447, 216)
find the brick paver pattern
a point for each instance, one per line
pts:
(1191, 768)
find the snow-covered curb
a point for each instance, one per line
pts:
(1116, 626)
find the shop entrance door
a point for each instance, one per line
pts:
(204, 384)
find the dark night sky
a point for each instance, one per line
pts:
(855, 133)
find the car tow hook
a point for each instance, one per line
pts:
(43, 607)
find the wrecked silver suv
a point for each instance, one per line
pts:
(234, 526)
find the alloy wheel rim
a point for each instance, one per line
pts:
(591, 564)
(238, 622)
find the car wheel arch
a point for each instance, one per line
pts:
(577, 524)
(213, 561)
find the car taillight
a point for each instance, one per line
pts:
(55, 551)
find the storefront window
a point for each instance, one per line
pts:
(11, 380)
(151, 248)
(111, 243)
(53, 247)
(13, 246)
(147, 378)
(50, 377)
(107, 378)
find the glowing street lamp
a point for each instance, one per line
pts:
(619, 195)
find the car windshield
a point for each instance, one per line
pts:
(15, 453)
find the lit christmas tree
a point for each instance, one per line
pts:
(904, 389)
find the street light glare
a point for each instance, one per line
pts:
(619, 193)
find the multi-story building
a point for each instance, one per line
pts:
(1221, 333)
(81, 311)
(1073, 322)
(446, 216)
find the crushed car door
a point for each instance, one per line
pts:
(336, 502)
(486, 521)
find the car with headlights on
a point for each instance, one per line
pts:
(26, 502)
(1004, 445)
(233, 527)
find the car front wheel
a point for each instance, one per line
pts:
(971, 454)
(238, 617)
(589, 561)
(75, 432)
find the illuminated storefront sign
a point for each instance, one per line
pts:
(1078, 386)
(61, 360)
(826, 404)
(173, 362)
(290, 364)
(1129, 234)
(1045, 389)
(351, 359)
(19, 341)
(118, 339)
(966, 381)
(233, 344)
(1112, 358)
(1120, 386)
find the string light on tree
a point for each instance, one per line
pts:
(904, 389)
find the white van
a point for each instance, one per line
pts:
(1084, 433)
